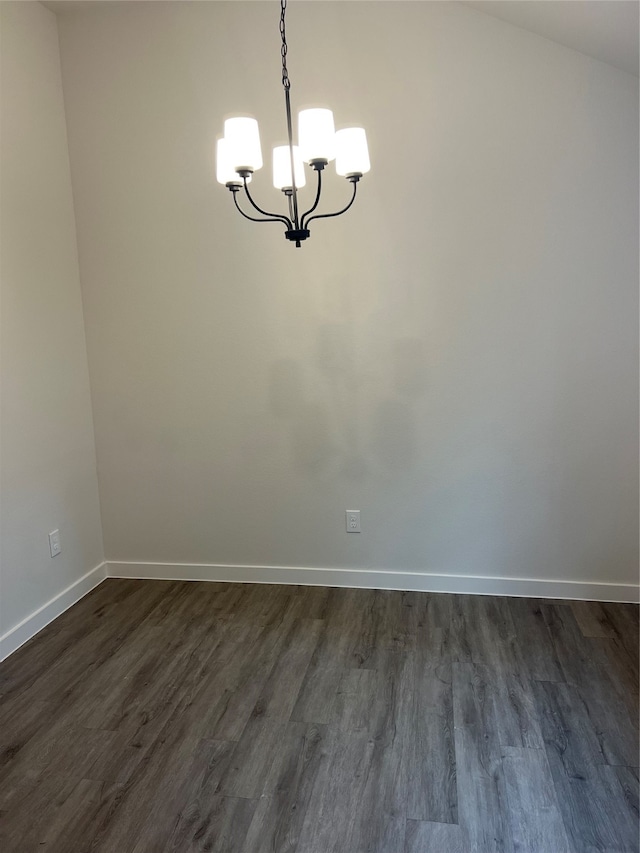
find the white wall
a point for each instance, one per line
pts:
(457, 357)
(48, 456)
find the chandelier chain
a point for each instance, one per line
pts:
(285, 74)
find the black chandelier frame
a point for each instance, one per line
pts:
(297, 225)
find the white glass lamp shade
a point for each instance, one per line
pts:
(316, 135)
(243, 143)
(225, 173)
(282, 167)
(352, 153)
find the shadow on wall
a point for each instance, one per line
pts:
(336, 424)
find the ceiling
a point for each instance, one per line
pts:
(604, 29)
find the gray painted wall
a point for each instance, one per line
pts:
(457, 357)
(48, 458)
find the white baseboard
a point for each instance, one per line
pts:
(363, 578)
(378, 579)
(36, 621)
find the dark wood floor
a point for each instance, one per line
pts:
(161, 716)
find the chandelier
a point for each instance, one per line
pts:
(239, 155)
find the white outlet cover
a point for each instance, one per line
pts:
(353, 521)
(54, 543)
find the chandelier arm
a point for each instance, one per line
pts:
(253, 218)
(315, 203)
(328, 215)
(273, 216)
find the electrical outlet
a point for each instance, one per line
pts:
(353, 521)
(54, 543)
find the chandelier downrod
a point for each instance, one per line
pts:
(286, 84)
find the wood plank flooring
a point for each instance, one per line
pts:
(162, 716)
